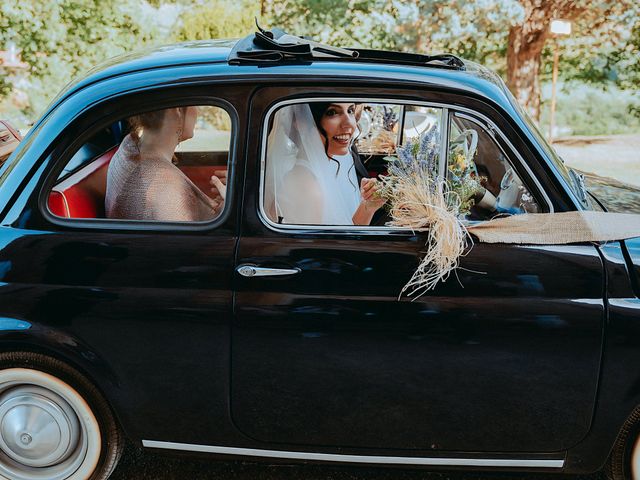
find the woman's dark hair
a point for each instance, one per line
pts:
(317, 111)
(149, 120)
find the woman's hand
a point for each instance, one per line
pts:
(370, 201)
(218, 183)
(369, 195)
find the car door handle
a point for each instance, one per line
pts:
(254, 271)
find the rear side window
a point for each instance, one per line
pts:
(167, 165)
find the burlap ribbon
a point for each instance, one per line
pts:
(558, 228)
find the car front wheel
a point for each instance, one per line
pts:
(54, 424)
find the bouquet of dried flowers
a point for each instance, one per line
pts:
(420, 200)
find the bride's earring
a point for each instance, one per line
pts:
(180, 128)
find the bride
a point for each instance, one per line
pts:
(311, 174)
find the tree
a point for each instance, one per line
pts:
(218, 19)
(507, 35)
(594, 24)
(475, 30)
(62, 38)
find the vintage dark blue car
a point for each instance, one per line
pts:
(253, 334)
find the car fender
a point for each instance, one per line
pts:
(17, 334)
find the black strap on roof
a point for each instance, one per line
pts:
(444, 60)
(276, 46)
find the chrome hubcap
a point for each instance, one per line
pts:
(37, 427)
(47, 430)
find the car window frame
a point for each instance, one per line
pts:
(493, 131)
(447, 109)
(158, 99)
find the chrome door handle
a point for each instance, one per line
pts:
(253, 271)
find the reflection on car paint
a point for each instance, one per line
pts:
(7, 324)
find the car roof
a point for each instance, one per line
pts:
(473, 78)
(186, 53)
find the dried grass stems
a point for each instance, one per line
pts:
(420, 203)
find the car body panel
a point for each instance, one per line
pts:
(619, 385)
(485, 335)
(632, 249)
(157, 306)
(331, 356)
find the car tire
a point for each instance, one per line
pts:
(54, 424)
(624, 461)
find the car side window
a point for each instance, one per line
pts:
(321, 156)
(473, 151)
(167, 165)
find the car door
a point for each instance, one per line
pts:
(502, 357)
(146, 303)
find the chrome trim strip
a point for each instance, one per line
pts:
(444, 143)
(367, 230)
(380, 460)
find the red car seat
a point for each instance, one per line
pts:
(81, 195)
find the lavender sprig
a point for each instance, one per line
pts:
(429, 149)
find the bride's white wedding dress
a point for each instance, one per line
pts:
(302, 185)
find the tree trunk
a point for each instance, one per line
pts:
(524, 53)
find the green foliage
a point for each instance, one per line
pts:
(347, 23)
(628, 60)
(603, 48)
(599, 49)
(475, 30)
(589, 110)
(62, 38)
(5, 86)
(218, 19)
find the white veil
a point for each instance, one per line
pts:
(299, 177)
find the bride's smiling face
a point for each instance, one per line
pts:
(339, 123)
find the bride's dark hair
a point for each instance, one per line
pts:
(318, 109)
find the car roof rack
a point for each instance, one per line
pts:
(266, 47)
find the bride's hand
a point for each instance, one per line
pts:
(369, 195)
